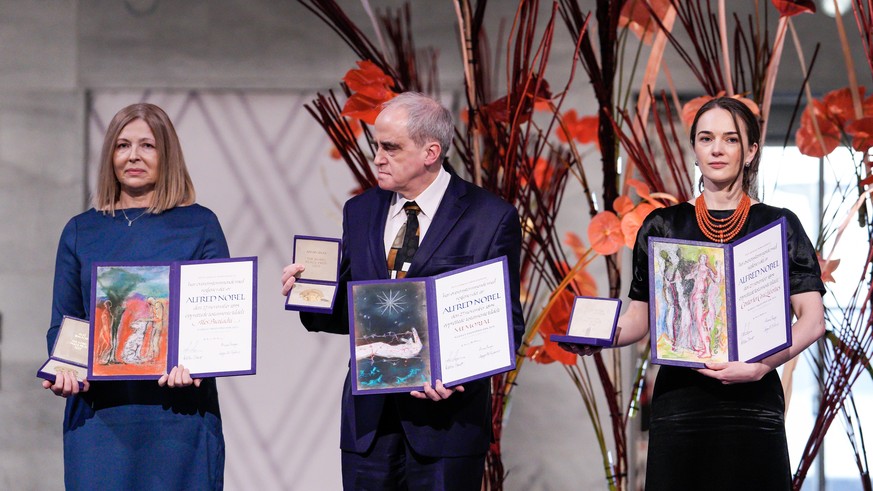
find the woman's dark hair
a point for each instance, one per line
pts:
(739, 112)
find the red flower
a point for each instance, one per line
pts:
(630, 223)
(806, 139)
(583, 130)
(498, 110)
(861, 131)
(622, 205)
(557, 319)
(575, 243)
(371, 87)
(788, 8)
(370, 80)
(541, 173)
(827, 269)
(840, 106)
(604, 233)
(636, 16)
(555, 322)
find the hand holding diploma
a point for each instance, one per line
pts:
(179, 376)
(438, 392)
(735, 372)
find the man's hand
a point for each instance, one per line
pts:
(437, 393)
(289, 276)
(580, 349)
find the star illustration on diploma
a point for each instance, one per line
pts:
(391, 302)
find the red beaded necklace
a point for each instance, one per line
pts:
(721, 230)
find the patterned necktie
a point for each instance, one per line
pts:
(405, 244)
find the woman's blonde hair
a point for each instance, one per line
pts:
(173, 187)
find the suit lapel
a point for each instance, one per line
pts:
(377, 234)
(450, 210)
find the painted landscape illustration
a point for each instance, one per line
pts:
(130, 315)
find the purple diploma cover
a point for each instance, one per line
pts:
(315, 288)
(592, 321)
(454, 327)
(149, 317)
(70, 351)
(712, 302)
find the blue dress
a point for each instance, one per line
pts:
(129, 435)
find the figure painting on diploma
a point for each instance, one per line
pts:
(130, 315)
(391, 338)
(691, 316)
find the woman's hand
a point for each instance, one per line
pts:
(66, 384)
(179, 376)
(289, 276)
(735, 372)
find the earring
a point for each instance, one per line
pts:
(696, 163)
(748, 164)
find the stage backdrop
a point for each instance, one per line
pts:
(262, 164)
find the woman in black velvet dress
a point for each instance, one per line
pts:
(722, 427)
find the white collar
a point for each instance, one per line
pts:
(429, 199)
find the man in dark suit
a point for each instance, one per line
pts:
(435, 438)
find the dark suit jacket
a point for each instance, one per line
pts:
(471, 225)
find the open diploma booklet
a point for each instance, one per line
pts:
(713, 302)
(147, 318)
(454, 327)
(592, 321)
(70, 352)
(315, 288)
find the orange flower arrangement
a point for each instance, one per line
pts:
(608, 230)
(371, 87)
(557, 317)
(636, 17)
(835, 116)
(789, 8)
(583, 130)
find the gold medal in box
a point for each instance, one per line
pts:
(315, 289)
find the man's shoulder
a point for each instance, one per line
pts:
(480, 195)
(368, 197)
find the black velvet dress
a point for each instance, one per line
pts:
(704, 434)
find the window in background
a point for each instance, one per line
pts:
(807, 186)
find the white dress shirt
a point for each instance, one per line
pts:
(429, 200)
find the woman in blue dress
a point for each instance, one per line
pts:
(137, 434)
(722, 427)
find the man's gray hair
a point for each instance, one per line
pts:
(426, 119)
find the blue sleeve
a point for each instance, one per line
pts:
(67, 292)
(507, 242)
(337, 322)
(214, 244)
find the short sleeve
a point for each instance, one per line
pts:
(652, 225)
(804, 273)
